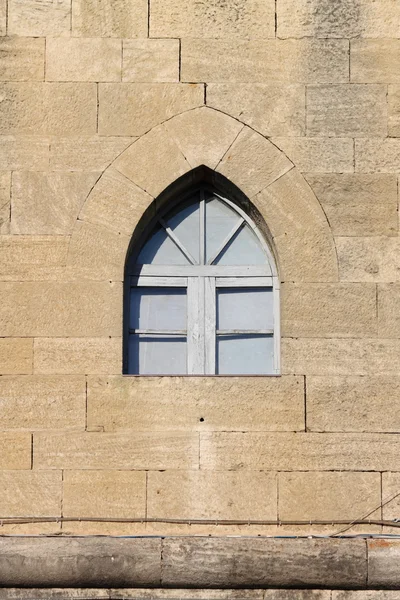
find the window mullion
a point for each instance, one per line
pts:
(210, 318)
(195, 325)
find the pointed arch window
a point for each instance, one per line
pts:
(203, 294)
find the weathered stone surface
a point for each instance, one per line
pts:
(319, 155)
(52, 309)
(352, 403)
(340, 357)
(5, 200)
(37, 18)
(219, 495)
(377, 156)
(143, 450)
(325, 496)
(375, 60)
(253, 451)
(5, 218)
(121, 18)
(358, 204)
(22, 59)
(329, 310)
(394, 110)
(189, 594)
(368, 258)
(48, 203)
(189, 404)
(134, 108)
(76, 355)
(48, 108)
(50, 593)
(107, 494)
(244, 19)
(390, 487)
(268, 61)
(389, 310)
(25, 493)
(3, 17)
(364, 595)
(270, 109)
(231, 562)
(15, 450)
(347, 110)
(150, 61)
(42, 402)
(86, 153)
(24, 153)
(16, 356)
(83, 59)
(383, 563)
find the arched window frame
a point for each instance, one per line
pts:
(213, 276)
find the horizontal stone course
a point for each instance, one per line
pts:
(16, 356)
(22, 59)
(25, 492)
(375, 60)
(377, 156)
(368, 258)
(28, 251)
(33, 18)
(120, 18)
(83, 59)
(26, 153)
(149, 60)
(93, 153)
(318, 155)
(15, 451)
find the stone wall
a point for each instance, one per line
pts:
(104, 104)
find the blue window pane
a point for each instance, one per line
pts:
(245, 355)
(245, 308)
(157, 355)
(158, 308)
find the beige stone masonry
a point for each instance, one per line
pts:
(107, 494)
(329, 310)
(48, 203)
(48, 108)
(190, 404)
(15, 450)
(389, 310)
(51, 309)
(347, 110)
(358, 205)
(150, 61)
(134, 108)
(70, 356)
(22, 59)
(3, 17)
(83, 59)
(319, 155)
(144, 450)
(375, 60)
(24, 153)
(377, 156)
(369, 258)
(36, 18)
(394, 110)
(340, 357)
(324, 496)
(86, 153)
(21, 254)
(390, 487)
(5, 199)
(364, 404)
(298, 451)
(208, 495)
(270, 109)
(42, 402)
(119, 18)
(5, 218)
(269, 61)
(243, 19)
(26, 493)
(16, 356)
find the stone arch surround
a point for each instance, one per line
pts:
(301, 235)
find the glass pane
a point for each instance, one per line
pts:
(245, 308)
(186, 226)
(153, 355)
(158, 308)
(161, 250)
(243, 249)
(245, 355)
(220, 220)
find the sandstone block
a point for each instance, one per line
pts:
(16, 356)
(22, 59)
(3, 17)
(37, 18)
(24, 153)
(42, 402)
(364, 594)
(134, 108)
(143, 450)
(86, 153)
(121, 18)
(108, 494)
(375, 60)
(25, 257)
(48, 108)
(368, 259)
(352, 403)
(318, 155)
(219, 495)
(150, 61)
(244, 19)
(15, 450)
(77, 355)
(347, 110)
(270, 109)
(85, 59)
(189, 404)
(388, 310)
(325, 496)
(51, 309)
(5, 218)
(329, 310)
(252, 451)
(377, 156)
(27, 493)
(394, 110)
(340, 357)
(268, 61)
(390, 487)
(358, 204)
(5, 200)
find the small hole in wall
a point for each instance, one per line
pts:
(201, 420)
